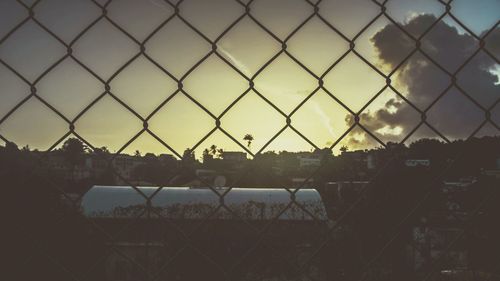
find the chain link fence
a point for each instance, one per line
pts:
(372, 237)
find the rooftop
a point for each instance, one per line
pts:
(198, 203)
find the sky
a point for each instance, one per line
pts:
(149, 83)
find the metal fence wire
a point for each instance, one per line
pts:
(325, 259)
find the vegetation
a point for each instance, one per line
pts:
(249, 139)
(388, 208)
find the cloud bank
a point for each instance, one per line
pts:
(421, 82)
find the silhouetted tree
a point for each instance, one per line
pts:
(213, 149)
(219, 152)
(207, 156)
(344, 148)
(74, 152)
(101, 151)
(150, 157)
(248, 138)
(188, 156)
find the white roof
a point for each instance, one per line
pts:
(198, 203)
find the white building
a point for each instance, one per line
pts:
(235, 156)
(309, 161)
(196, 203)
(151, 239)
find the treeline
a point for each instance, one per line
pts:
(48, 237)
(454, 160)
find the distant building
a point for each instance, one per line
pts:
(204, 178)
(359, 159)
(277, 170)
(345, 190)
(90, 167)
(56, 162)
(371, 163)
(429, 245)
(125, 165)
(443, 222)
(205, 173)
(94, 165)
(311, 160)
(97, 164)
(191, 203)
(235, 156)
(495, 172)
(359, 155)
(417, 163)
(167, 158)
(302, 182)
(340, 193)
(233, 160)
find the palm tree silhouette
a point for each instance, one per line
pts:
(248, 138)
(213, 149)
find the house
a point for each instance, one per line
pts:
(345, 191)
(312, 160)
(494, 171)
(234, 156)
(125, 165)
(89, 167)
(360, 161)
(417, 163)
(443, 223)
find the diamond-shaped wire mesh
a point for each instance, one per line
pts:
(168, 249)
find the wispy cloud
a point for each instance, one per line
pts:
(292, 97)
(161, 4)
(239, 64)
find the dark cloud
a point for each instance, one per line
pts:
(421, 81)
(493, 43)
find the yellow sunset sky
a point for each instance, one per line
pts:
(175, 47)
